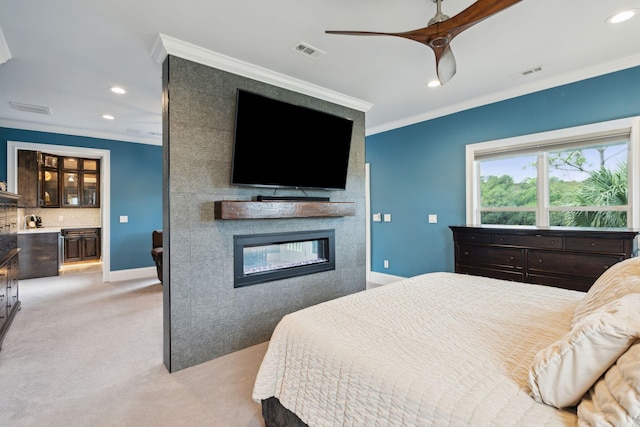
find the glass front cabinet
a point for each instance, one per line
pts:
(69, 182)
(50, 183)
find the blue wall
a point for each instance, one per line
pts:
(136, 190)
(420, 169)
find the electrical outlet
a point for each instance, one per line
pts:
(386, 263)
(387, 217)
(433, 219)
(376, 217)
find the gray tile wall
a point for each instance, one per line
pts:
(204, 315)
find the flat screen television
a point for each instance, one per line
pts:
(281, 145)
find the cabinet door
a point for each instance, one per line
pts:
(50, 190)
(28, 178)
(70, 189)
(90, 247)
(72, 248)
(90, 195)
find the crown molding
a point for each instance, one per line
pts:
(166, 45)
(5, 53)
(524, 89)
(39, 127)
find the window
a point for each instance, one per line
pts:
(580, 177)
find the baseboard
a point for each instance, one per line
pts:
(383, 279)
(133, 273)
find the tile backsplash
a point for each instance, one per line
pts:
(62, 217)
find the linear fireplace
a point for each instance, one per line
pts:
(259, 258)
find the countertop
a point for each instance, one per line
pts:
(54, 229)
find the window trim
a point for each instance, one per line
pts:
(630, 125)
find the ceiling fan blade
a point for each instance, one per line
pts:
(445, 64)
(478, 11)
(360, 33)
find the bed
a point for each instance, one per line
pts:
(447, 349)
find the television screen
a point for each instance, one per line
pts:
(282, 145)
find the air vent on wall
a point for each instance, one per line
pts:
(307, 50)
(29, 108)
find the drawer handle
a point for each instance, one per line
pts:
(540, 260)
(511, 258)
(593, 243)
(553, 242)
(466, 252)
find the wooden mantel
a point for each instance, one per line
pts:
(242, 209)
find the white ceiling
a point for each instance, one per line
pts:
(66, 54)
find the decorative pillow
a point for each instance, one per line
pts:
(614, 400)
(619, 280)
(563, 372)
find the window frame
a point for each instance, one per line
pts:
(547, 140)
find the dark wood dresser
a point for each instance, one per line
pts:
(9, 270)
(571, 258)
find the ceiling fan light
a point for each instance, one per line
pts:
(118, 90)
(619, 17)
(433, 83)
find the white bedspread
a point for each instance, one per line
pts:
(440, 349)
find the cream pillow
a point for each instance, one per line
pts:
(614, 400)
(563, 372)
(620, 279)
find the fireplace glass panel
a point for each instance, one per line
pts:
(264, 257)
(282, 255)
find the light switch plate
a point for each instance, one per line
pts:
(124, 218)
(387, 217)
(433, 219)
(376, 217)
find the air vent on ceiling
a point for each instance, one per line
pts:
(307, 50)
(29, 108)
(532, 71)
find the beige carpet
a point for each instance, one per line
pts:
(86, 353)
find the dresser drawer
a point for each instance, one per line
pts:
(594, 245)
(536, 241)
(512, 275)
(580, 265)
(470, 237)
(490, 256)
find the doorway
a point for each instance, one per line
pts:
(105, 190)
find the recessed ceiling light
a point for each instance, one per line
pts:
(118, 90)
(622, 16)
(433, 83)
(108, 117)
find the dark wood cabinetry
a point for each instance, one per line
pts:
(48, 180)
(9, 270)
(28, 179)
(571, 258)
(38, 254)
(81, 244)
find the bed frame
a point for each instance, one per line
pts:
(276, 415)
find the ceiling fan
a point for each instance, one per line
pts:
(441, 30)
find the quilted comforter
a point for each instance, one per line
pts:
(440, 349)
